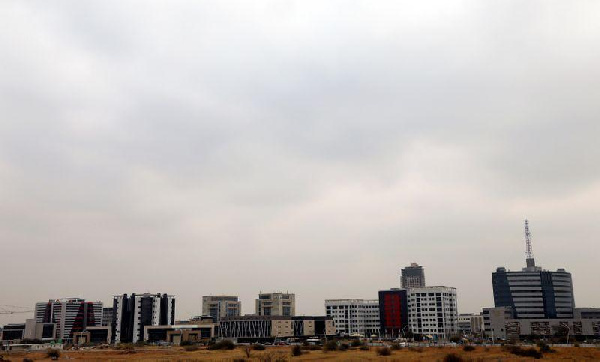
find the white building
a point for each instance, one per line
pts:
(354, 316)
(433, 311)
(137, 311)
(70, 315)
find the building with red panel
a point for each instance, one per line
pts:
(393, 312)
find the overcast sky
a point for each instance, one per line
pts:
(316, 147)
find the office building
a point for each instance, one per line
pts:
(533, 292)
(433, 312)
(221, 306)
(393, 313)
(470, 324)
(412, 276)
(70, 315)
(500, 324)
(354, 317)
(107, 316)
(276, 304)
(133, 313)
(13, 332)
(268, 328)
(93, 335)
(178, 333)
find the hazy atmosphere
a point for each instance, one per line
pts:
(221, 147)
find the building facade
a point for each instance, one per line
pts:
(412, 276)
(221, 306)
(393, 313)
(534, 293)
(69, 314)
(132, 313)
(433, 311)
(276, 304)
(107, 316)
(256, 328)
(354, 317)
(500, 324)
(470, 324)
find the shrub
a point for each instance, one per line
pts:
(296, 351)
(416, 349)
(224, 344)
(524, 352)
(190, 347)
(455, 339)
(364, 347)
(396, 347)
(384, 351)
(576, 344)
(356, 343)
(545, 348)
(53, 353)
(330, 346)
(468, 348)
(452, 357)
(344, 347)
(258, 347)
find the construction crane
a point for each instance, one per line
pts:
(13, 309)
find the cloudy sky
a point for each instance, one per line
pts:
(214, 147)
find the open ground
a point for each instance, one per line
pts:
(273, 354)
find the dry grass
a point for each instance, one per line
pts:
(274, 354)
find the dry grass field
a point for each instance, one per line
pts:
(274, 354)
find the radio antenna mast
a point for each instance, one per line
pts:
(528, 249)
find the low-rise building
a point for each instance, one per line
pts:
(93, 335)
(256, 328)
(354, 317)
(179, 333)
(500, 324)
(13, 332)
(470, 324)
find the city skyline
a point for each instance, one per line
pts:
(233, 147)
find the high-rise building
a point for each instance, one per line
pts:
(354, 316)
(533, 292)
(70, 315)
(276, 304)
(221, 306)
(433, 311)
(132, 313)
(412, 276)
(393, 312)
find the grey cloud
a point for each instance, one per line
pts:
(331, 142)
